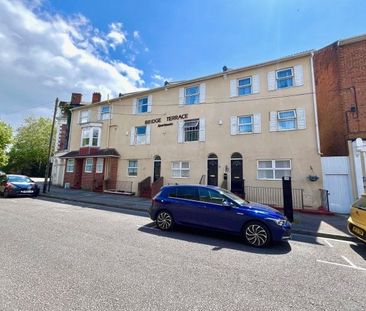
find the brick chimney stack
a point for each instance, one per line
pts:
(76, 98)
(96, 98)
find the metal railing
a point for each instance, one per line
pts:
(119, 186)
(324, 199)
(273, 196)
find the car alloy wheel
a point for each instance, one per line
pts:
(164, 220)
(256, 234)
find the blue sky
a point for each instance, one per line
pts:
(53, 48)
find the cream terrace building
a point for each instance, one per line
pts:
(256, 123)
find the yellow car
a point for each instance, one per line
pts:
(357, 220)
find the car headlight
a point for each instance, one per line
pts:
(279, 222)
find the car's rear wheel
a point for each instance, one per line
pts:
(256, 234)
(6, 193)
(164, 221)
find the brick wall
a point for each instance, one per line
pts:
(74, 179)
(340, 78)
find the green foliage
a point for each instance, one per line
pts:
(30, 150)
(6, 134)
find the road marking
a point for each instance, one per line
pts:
(349, 261)
(326, 241)
(342, 265)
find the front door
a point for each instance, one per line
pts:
(212, 172)
(237, 183)
(157, 169)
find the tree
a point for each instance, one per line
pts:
(6, 135)
(30, 150)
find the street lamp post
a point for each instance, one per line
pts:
(47, 172)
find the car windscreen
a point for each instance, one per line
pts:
(360, 203)
(234, 197)
(19, 179)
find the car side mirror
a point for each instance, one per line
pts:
(226, 204)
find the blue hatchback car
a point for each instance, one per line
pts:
(219, 209)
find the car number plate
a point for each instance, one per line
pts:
(358, 231)
(27, 191)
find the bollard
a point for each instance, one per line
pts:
(288, 208)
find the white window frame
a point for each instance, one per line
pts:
(280, 119)
(129, 167)
(140, 139)
(70, 165)
(99, 165)
(83, 118)
(241, 124)
(285, 78)
(105, 115)
(273, 168)
(180, 169)
(191, 95)
(244, 86)
(138, 104)
(185, 128)
(86, 165)
(87, 133)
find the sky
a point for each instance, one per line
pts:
(51, 48)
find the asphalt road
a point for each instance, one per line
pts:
(58, 256)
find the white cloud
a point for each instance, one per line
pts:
(159, 80)
(45, 56)
(136, 34)
(116, 35)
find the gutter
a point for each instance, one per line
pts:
(315, 105)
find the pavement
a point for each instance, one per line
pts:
(327, 226)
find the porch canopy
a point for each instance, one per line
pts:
(98, 153)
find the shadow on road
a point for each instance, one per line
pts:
(360, 249)
(217, 240)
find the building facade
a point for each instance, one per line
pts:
(256, 124)
(340, 77)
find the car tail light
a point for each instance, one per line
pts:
(9, 185)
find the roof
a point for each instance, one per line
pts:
(203, 78)
(100, 153)
(352, 40)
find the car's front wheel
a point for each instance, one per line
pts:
(256, 234)
(164, 221)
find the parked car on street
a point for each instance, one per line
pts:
(218, 209)
(357, 219)
(15, 185)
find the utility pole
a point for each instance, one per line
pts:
(46, 175)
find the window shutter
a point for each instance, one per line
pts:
(257, 126)
(202, 92)
(273, 121)
(271, 79)
(181, 96)
(202, 132)
(149, 103)
(180, 131)
(301, 118)
(234, 125)
(99, 116)
(299, 75)
(148, 131)
(132, 136)
(134, 106)
(233, 88)
(255, 84)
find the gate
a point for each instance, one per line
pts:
(337, 180)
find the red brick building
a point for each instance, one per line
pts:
(340, 78)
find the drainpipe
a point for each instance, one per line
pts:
(315, 106)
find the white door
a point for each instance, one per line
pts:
(337, 181)
(339, 193)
